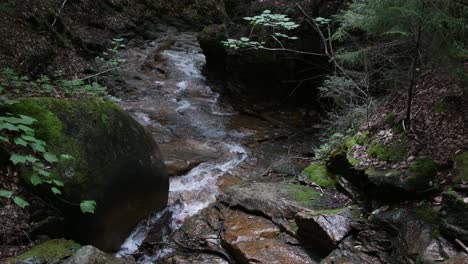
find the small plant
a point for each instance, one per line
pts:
(18, 138)
(45, 86)
(324, 149)
(108, 58)
(275, 26)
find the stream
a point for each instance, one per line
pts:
(201, 136)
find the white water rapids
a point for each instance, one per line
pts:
(185, 96)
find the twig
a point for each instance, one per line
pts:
(106, 71)
(58, 13)
(465, 248)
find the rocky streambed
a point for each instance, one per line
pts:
(243, 190)
(238, 193)
(209, 145)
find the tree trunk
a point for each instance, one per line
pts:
(413, 76)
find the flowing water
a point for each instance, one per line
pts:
(165, 90)
(180, 109)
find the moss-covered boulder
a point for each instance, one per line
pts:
(395, 184)
(116, 163)
(51, 252)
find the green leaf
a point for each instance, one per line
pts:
(4, 139)
(27, 120)
(5, 193)
(56, 190)
(38, 147)
(25, 128)
(8, 126)
(58, 183)
(20, 202)
(50, 157)
(65, 157)
(88, 206)
(35, 180)
(21, 142)
(17, 158)
(41, 171)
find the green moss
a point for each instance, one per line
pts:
(304, 195)
(319, 174)
(428, 215)
(422, 170)
(461, 167)
(394, 152)
(350, 142)
(48, 126)
(440, 106)
(390, 119)
(329, 211)
(51, 251)
(353, 161)
(362, 138)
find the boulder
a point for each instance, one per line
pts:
(454, 224)
(50, 252)
(254, 239)
(324, 229)
(92, 255)
(115, 162)
(280, 199)
(404, 235)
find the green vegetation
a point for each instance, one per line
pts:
(461, 167)
(304, 195)
(329, 211)
(428, 215)
(376, 32)
(391, 121)
(109, 57)
(22, 86)
(423, 168)
(361, 138)
(273, 26)
(394, 152)
(319, 174)
(441, 106)
(52, 251)
(27, 129)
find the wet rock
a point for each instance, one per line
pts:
(417, 234)
(324, 229)
(462, 259)
(176, 167)
(405, 235)
(50, 252)
(92, 255)
(279, 199)
(454, 223)
(384, 184)
(116, 163)
(242, 227)
(254, 239)
(269, 251)
(267, 198)
(228, 180)
(195, 259)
